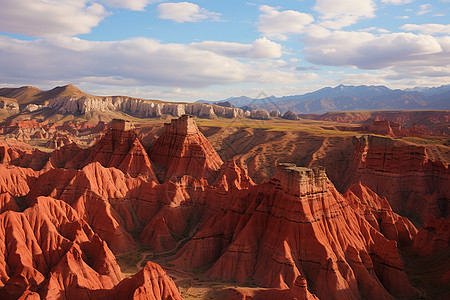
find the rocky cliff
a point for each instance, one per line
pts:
(87, 105)
(403, 174)
(182, 149)
(298, 226)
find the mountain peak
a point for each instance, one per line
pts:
(183, 149)
(68, 90)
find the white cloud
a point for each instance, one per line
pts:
(338, 14)
(424, 9)
(261, 48)
(181, 12)
(264, 48)
(133, 62)
(40, 18)
(137, 5)
(397, 2)
(402, 17)
(278, 24)
(367, 51)
(381, 30)
(427, 28)
(407, 55)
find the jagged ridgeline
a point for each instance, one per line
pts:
(69, 216)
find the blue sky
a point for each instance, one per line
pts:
(185, 51)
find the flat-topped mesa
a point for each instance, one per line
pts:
(120, 125)
(184, 125)
(301, 181)
(183, 150)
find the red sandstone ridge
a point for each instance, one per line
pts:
(49, 252)
(394, 129)
(403, 174)
(298, 225)
(434, 236)
(119, 148)
(151, 283)
(94, 192)
(48, 249)
(182, 149)
(379, 214)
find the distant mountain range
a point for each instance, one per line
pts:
(349, 98)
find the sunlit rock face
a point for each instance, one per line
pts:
(182, 149)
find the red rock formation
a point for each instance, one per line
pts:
(7, 202)
(432, 121)
(392, 129)
(157, 236)
(403, 174)
(48, 249)
(379, 214)
(434, 236)
(91, 191)
(57, 141)
(381, 127)
(151, 283)
(297, 224)
(120, 148)
(16, 180)
(183, 150)
(21, 156)
(232, 176)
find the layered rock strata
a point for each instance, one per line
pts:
(182, 149)
(138, 107)
(297, 224)
(403, 174)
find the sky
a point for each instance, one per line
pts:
(212, 50)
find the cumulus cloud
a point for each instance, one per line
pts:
(278, 24)
(261, 48)
(138, 61)
(427, 28)
(367, 51)
(338, 14)
(402, 52)
(39, 18)
(181, 12)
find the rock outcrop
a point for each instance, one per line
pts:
(8, 106)
(403, 174)
(98, 195)
(151, 282)
(49, 249)
(182, 149)
(434, 236)
(290, 115)
(297, 224)
(379, 214)
(119, 148)
(275, 114)
(87, 105)
(259, 114)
